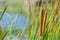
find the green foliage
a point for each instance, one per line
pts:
(52, 26)
(3, 13)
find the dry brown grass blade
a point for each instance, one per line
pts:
(29, 8)
(29, 16)
(54, 10)
(18, 34)
(54, 26)
(55, 7)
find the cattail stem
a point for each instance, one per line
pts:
(29, 15)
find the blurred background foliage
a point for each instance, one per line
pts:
(41, 22)
(14, 6)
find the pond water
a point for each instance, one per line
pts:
(20, 22)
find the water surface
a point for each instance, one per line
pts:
(20, 22)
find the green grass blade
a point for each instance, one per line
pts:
(3, 12)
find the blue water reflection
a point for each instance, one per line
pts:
(21, 20)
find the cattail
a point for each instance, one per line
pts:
(45, 18)
(42, 17)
